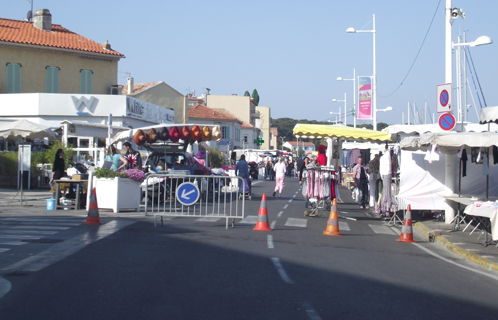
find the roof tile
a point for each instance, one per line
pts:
(24, 32)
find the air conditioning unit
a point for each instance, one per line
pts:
(115, 90)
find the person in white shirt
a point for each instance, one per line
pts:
(280, 170)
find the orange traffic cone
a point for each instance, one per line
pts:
(333, 223)
(262, 224)
(406, 230)
(93, 211)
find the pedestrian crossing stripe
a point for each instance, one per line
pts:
(293, 222)
(344, 226)
(249, 220)
(208, 219)
(381, 229)
(3, 250)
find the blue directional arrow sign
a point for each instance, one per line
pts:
(187, 193)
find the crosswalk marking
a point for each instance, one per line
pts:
(381, 229)
(293, 222)
(35, 227)
(37, 232)
(208, 219)
(249, 220)
(12, 243)
(344, 226)
(16, 231)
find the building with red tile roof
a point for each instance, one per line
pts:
(43, 57)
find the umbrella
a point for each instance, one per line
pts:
(24, 129)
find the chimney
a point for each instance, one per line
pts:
(43, 20)
(130, 85)
(106, 45)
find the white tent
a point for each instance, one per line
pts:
(24, 129)
(422, 182)
(488, 115)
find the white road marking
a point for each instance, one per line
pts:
(294, 195)
(381, 229)
(432, 253)
(12, 243)
(5, 287)
(281, 271)
(64, 249)
(3, 250)
(249, 220)
(344, 226)
(27, 232)
(272, 225)
(310, 311)
(290, 200)
(15, 236)
(36, 227)
(280, 214)
(293, 222)
(208, 219)
(270, 241)
(285, 207)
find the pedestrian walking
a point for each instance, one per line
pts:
(269, 169)
(361, 178)
(280, 170)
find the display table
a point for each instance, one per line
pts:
(62, 184)
(488, 213)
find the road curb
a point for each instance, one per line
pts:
(432, 236)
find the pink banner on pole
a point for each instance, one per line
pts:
(365, 98)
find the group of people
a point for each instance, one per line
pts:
(368, 178)
(275, 172)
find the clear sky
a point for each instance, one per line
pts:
(290, 51)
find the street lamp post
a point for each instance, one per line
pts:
(345, 110)
(354, 94)
(374, 80)
(339, 113)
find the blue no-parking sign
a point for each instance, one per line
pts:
(444, 100)
(187, 193)
(447, 121)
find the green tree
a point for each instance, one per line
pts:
(255, 96)
(247, 94)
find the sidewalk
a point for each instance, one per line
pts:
(469, 246)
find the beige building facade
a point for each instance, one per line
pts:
(243, 107)
(264, 125)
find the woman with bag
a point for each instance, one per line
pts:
(118, 161)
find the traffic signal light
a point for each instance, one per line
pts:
(260, 141)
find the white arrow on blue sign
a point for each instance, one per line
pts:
(187, 193)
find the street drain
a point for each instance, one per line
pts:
(42, 240)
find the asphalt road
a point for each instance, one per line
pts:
(190, 269)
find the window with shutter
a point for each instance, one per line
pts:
(86, 81)
(52, 79)
(13, 77)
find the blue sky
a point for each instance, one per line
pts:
(290, 51)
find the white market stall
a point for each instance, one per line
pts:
(423, 181)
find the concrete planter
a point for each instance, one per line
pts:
(118, 194)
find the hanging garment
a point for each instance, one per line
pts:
(464, 162)
(385, 204)
(345, 157)
(326, 185)
(355, 154)
(495, 155)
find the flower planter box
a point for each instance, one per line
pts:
(118, 194)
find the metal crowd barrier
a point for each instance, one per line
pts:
(178, 194)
